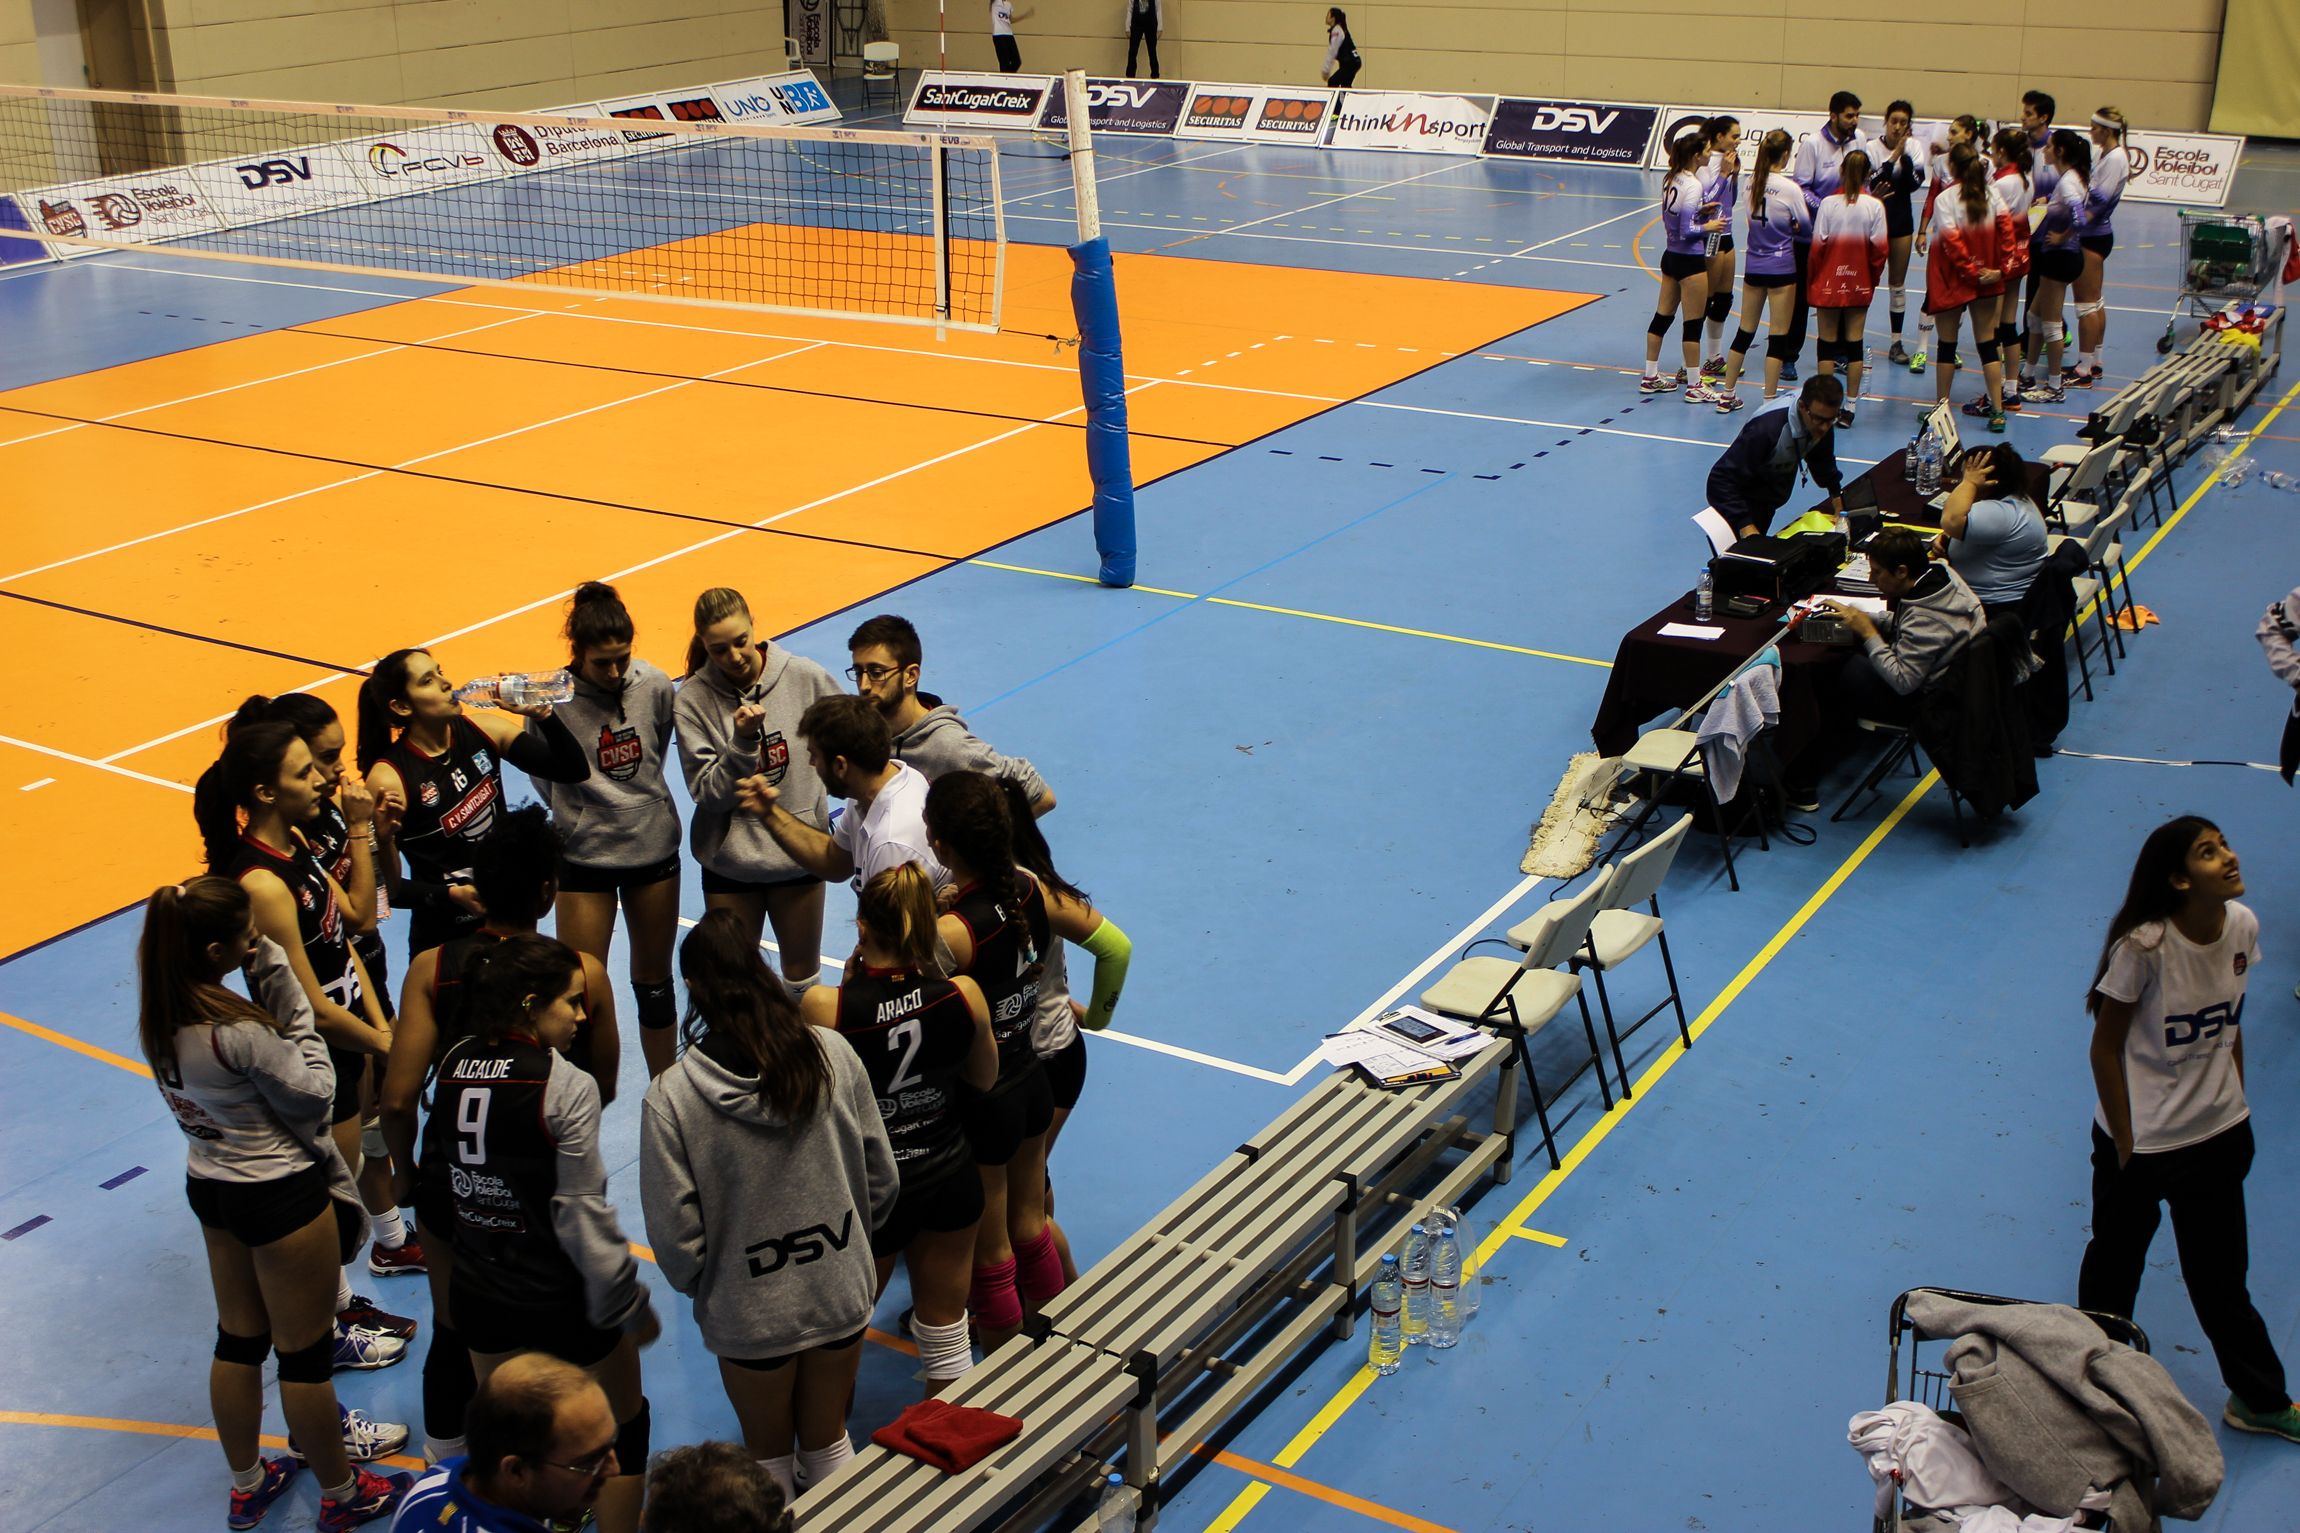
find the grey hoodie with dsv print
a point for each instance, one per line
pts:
(726, 839)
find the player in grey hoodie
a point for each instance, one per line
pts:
(738, 716)
(929, 736)
(764, 1167)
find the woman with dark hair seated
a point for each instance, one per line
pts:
(1991, 531)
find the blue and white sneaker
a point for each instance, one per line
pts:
(249, 1506)
(364, 1440)
(358, 1349)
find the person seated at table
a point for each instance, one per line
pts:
(1760, 470)
(1991, 531)
(1934, 614)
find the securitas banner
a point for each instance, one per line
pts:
(1122, 106)
(1586, 132)
(2181, 167)
(1408, 120)
(948, 100)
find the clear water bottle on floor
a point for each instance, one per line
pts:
(517, 689)
(1118, 1506)
(1465, 1236)
(1445, 1289)
(1414, 1277)
(1387, 1300)
(1704, 597)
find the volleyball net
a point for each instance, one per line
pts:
(663, 199)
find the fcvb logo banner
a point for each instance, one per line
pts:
(1586, 132)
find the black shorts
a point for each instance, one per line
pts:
(1009, 52)
(949, 1202)
(1066, 1072)
(770, 1364)
(372, 957)
(428, 928)
(350, 1070)
(1770, 279)
(258, 1213)
(997, 1121)
(2060, 263)
(1724, 245)
(720, 883)
(587, 878)
(2099, 244)
(560, 1328)
(1900, 218)
(1682, 266)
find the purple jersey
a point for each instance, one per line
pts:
(1783, 222)
(2109, 173)
(1682, 215)
(1820, 157)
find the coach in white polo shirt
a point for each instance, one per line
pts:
(884, 826)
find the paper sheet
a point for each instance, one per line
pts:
(1714, 526)
(1691, 631)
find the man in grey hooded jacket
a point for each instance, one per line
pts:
(929, 736)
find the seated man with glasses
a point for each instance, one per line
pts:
(1759, 472)
(541, 1442)
(928, 733)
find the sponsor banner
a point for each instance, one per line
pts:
(520, 147)
(1122, 106)
(811, 30)
(1409, 120)
(797, 97)
(19, 245)
(1756, 122)
(697, 105)
(951, 100)
(1216, 111)
(1587, 132)
(283, 185)
(158, 205)
(1285, 116)
(396, 164)
(2195, 168)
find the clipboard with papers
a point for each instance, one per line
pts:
(1405, 1046)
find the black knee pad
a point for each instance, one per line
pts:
(2008, 338)
(1659, 327)
(631, 1440)
(1989, 350)
(1781, 348)
(1946, 355)
(658, 1006)
(314, 1364)
(448, 1382)
(1742, 340)
(1690, 331)
(247, 1351)
(1720, 307)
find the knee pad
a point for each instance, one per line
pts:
(448, 1382)
(631, 1440)
(943, 1351)
(996, 1305)
(1945, 355)
(247, 1351)
(1720, 307)
(371, 1144)
(2008, 337)
(1900, 300)
(1659, 327)
(1742, 339)
(1038, 1268)
(314, 1364)
(658, 1007)
(2087, 310)
(1988, 350)
(1781, 348)
(1690, 331)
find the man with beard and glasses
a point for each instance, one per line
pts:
(928, 733)
(884, 825)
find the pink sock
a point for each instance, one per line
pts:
(993, 1302)
(1038, 1268)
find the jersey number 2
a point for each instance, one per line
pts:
(471, 1124)
(906, 1036)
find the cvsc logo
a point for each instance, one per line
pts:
(275, 172)
(1573, 119)
(799, 1247)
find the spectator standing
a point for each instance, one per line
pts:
(1003, 16)
(1145, 19)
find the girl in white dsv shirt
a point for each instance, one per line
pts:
(2167, 1003)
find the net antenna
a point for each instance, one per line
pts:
(1101, 358)
(622, 202)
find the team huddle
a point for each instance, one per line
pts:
(801, 1133)
(2011, 223)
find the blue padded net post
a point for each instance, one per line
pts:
(1102, 383)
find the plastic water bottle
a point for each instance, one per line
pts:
(1119, 1503)
(1445, 1289)
(1916, 450)
(1929, 466)
(1388, 1302)
(1704, 597)
(519, 690)
(1465, 1236)
(2277, 479)
(1414, 1278)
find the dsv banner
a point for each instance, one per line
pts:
(1589, 132)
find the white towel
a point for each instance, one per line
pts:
(1910, 1449)
(1752, 702)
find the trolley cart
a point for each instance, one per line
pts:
(1927, 1380)
(2224, 257)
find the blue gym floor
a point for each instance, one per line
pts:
(1297, 814)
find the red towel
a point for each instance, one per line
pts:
(950, 1437)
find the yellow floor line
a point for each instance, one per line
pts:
(1318, 617)
(1543, 1236)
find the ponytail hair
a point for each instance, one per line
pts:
(966, 812)
(596, 617)
(307, 715)
(1853, 174)
(1684, 149)
(731, 994)
(2075, 151)
(175, 980)
(2012, 146)
(378, 726)
(1031, 853)
(897, 908)
(1972, 183)
(502, 981)
(2109, 120)
(251, 759)
(714, 606)
(1772, 149)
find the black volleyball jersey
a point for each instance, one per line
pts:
(488, 1132)
(318, 917)
(329, 838)
(1009, 956)
(452, 800)
(912, 1033)
(449, 1011)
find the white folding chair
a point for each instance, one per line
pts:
(1620, 930)
(882, 66)
(2076, 496)
(1676, 753)
(1519, 999)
